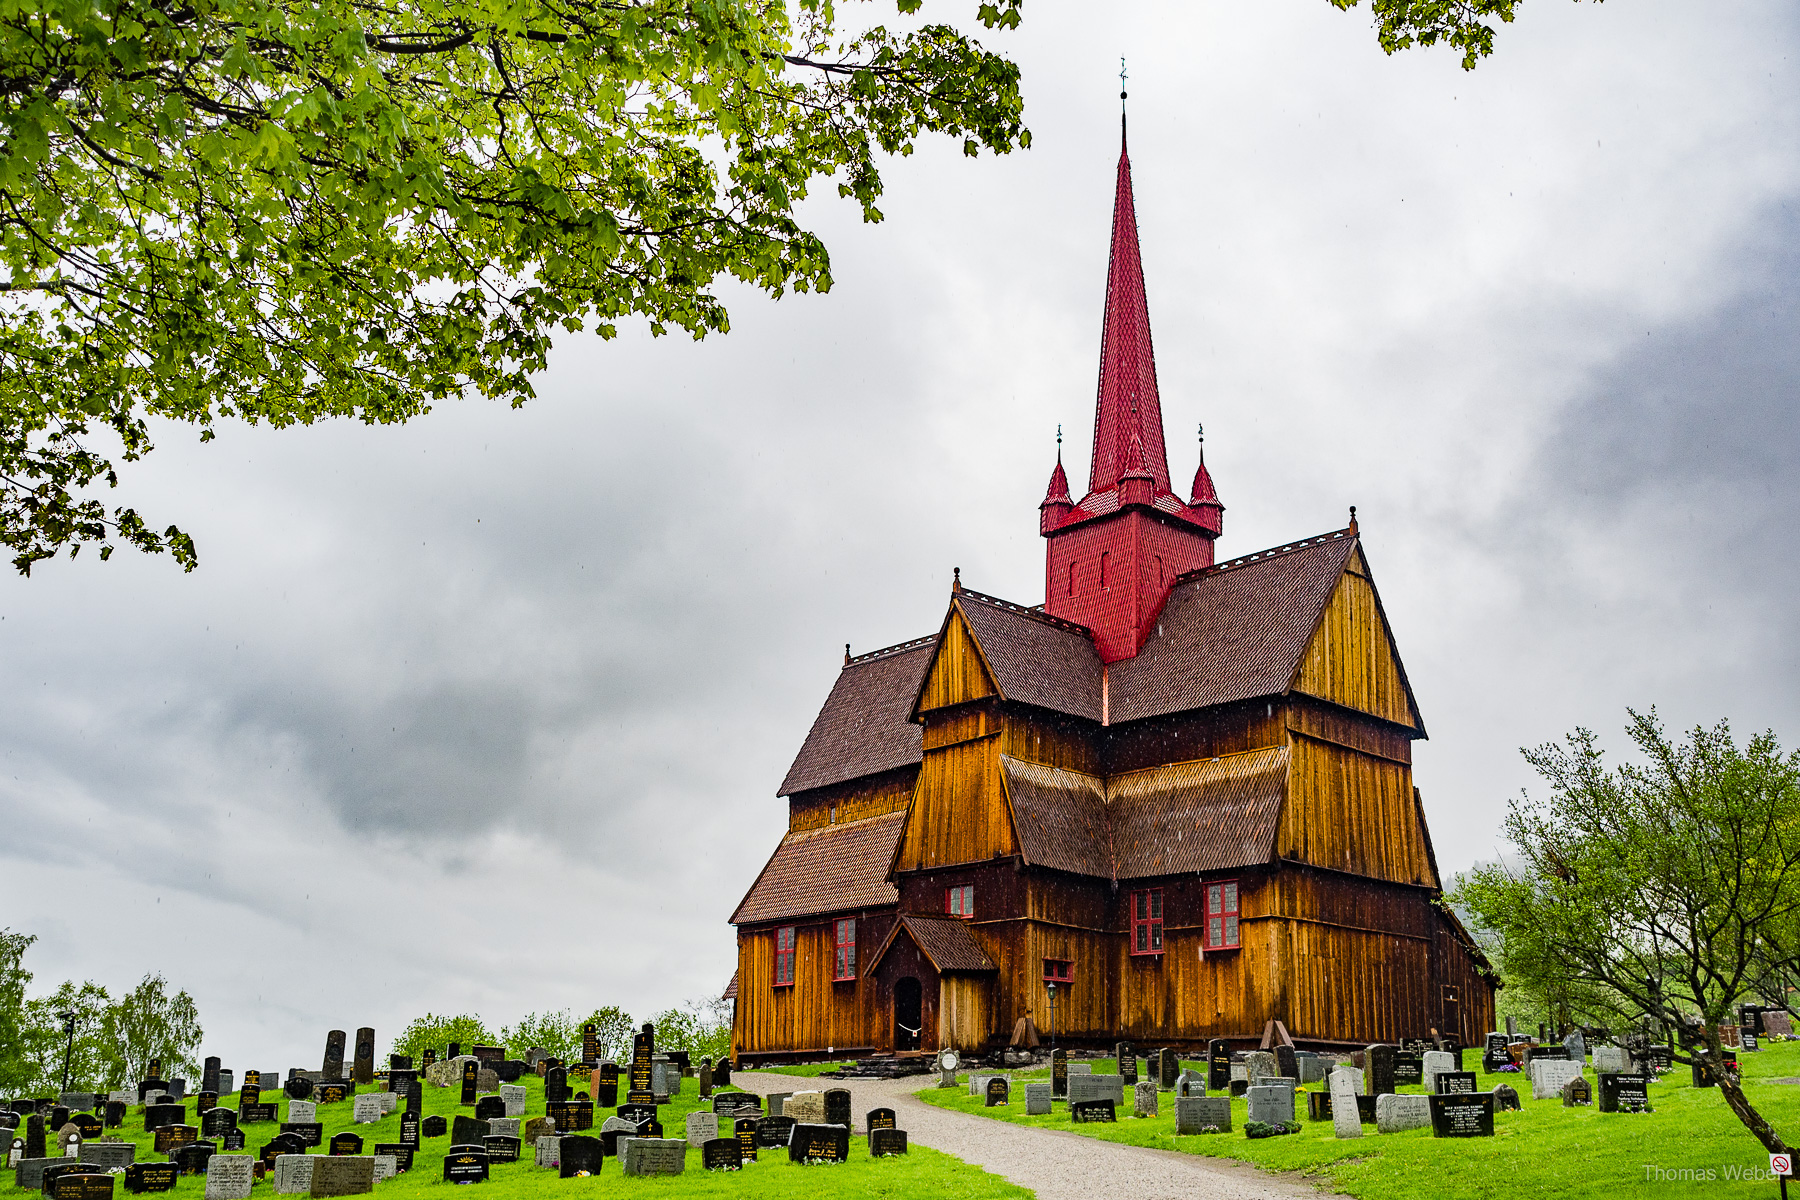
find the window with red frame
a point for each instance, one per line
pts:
(844, 966)
(1222, 915)
(1146, 921)
(784, 956)
(1059, 970)
(959, 901)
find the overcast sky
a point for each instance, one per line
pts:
(487, 713)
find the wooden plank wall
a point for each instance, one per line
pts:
(1185, 737)
(959, 811)
(846, 802)
(1354, 812)
(965, 1011)
(957, 673)
(1351, 660)
(815, 1013)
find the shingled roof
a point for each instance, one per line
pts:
(1210, 815)
(945, 942)
(834, 869)
(863, 728)
(1036, 659)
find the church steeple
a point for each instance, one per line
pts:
(1113, 556)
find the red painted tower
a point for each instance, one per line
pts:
(1113, 557)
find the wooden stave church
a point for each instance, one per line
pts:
(1159, 728)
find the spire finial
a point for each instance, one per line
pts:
(1201, 428)
(956, 580)
(1353, 518)
(1122, 95)
(1059, 442)
(846, 654)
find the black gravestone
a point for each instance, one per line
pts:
(636, 1113)
(152, 1084)
(1082, 1112)
(884, 1143)
(1661, 1059)
(489, 1107)
(1365, 1109)
(56, 1170)
(650, 1129)
(509, 1070)
(59, 1116)
(1378, 1062)
(837, 1107)
(409, 1129)
(251, 1114)
(1462, 1114)
(311, 1133)
(1409, 1068)
(1494, 1055)
(115, 1114)
(403, 1155)
(466, 1164)
(87, 1125)
(455, 1050)
(433, 1127)
(501, 1147)
(1624, 1093)
(469, 1131)
(819, 1143)
(332, 1093)
(275, 1147)
(1286, 1064)
(609, 1138)
(470, 1072)
(773, 1131)
(84, 1185)
(332, 1067)
(206, 1100)
(721, 1154)
(607, 1087)
(879, 1118)
(1059, 1073)
(642, 1047)
(1318, 1106)
(489, 1055)
(722, 1073)
(232, 1142)
(34, 1135)
(344, 1143)
(193, 1157)
(146, 1177)
(572, 1115)
(298, 1088)
(250, 1093)
(556, 1085)
(158, 1115)
(745, 1130)
(1218, 1064)
(590, 1044)
(415, 1098)
(1127, 1060)
(1451, 1082)
(399, 1062)
(209, 1075)
(997, 1091)
(579, 1156)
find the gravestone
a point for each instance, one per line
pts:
(1549, 1074)
(885, 1143)
(302, 1110)
(1576, 1046)
(1059, 1073)
(1081, 1068)
(637, 1114)
(94, 1185)
(331, 1093)
(467, 1131)
(333, 1065)
(1260, 1065)
(1455, 1082)
(192, 1157)
(745, 1129)
(1611, 1060)
(536, 1128)
(1096, 1087)
(216, 1122)
(773, 1132)
(1346, 1113)
(1312, 1067)
(1577, 1094)
(1082, 1112)
(1460, 1114)
(470, 1070)
(702, 1127)
(1190, 1083)
(109, 1155)
(778, 1101)
(556, 1085)
(141, 1178)
(883, 1118)
(366, 1109)
(1396, 1113)
(155, 1117)
(1624, 1094)
(502, 1147)
(229, 1176)
(298, 1087)
(275, 1147)
(485, 1107)
(652, 1156)
(1168, 1069)
(722, 1073)
(1777, 1023)
(572, 1115)
(1202, 1114)
(209, 1074)
(1218, 1064)
(1435, 1063)
(1318, 1106)
(311, 1133)
(578, 1156)
(819, 1143)
(503, 1127)
(720, 1153)
(293, 1174)
(705, 1076)
(1037, 1100)
(512, 1101)
(1505, 1099)
(643, 1050)
(1272, 1105)
(1409, 1068)
(1286, 1064)
(806, 1106)
(590, 1045)
(257, 1114)
(343, 1145)
(115, 1113)
(837, 1107)
(466, 1164)
(1378, 1069)
(998, 1091)
(1143, 1098)
(28, 1173)
(547, 1153)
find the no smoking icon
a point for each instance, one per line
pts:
(1781, 1164)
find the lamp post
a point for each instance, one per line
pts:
(1052, 988)
(68, 1020)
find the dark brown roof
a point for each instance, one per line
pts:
(1060, 817)
(863, 728)
(834, 869)
(731, 988)
(945, 941)
(1211, 815)
(1236, 631)
(1036, 659)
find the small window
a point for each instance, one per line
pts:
(844, 966)
(1059, 970)
(784, 956)
(959, 901)
(1105, 569)
(1147, 921)
(1221, 915)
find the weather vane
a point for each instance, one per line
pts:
(1121, 85)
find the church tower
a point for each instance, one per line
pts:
(1112, 557)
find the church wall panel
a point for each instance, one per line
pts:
(1042, 737)
(1349, 811)
(959, 812)
(869, 796)
(1185, 737)
(957, 673)
(815, 1013)
(1351, 660)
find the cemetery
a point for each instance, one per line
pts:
(1411, 1142)
(475, 1118)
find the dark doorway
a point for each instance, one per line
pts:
(907, 1014)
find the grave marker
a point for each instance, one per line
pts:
(652, 1156)
(344, 1144)
(721, 1154)
(578, 1156)
(745, 1130)
(502, 1147)
(1082, 1112)
(465, 1164)
(1624, 1094)
(812, 1143)
(1461, 1114)
(1059, 1073)
(229, 1176)
(332, 1067)
(311, 1133)
(141, 1178)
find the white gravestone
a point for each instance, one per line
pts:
(367, 1109)
(1435, 1063)
(1270, 1105)
(302, 1112)
(293, 1174)
(701, 1127)
(1143, 1099)
(1346, 1118)
(1395, 1113)
(1037, 1099)
(652, 1156)
(513, 1096)
(1611, 1060)
(386, 1166)
(549, 1152)
(503, 1127)
(229, 1176)
(1548, 1076)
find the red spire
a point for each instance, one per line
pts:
(1056, 506)
(1204, 494)
(1058, 491)
(1129, 408)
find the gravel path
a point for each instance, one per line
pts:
(1054, 1164)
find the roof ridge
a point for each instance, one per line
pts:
(1232, 564)
(896, 648)
(1036, 613)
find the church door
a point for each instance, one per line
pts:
(908, 1013)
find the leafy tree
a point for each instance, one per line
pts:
(15, 1065)
(146, 1023)
(281, 212)
(438, 1032)
(90, 1060)
(1661, 888)
(556, 1033)
(697, 1027)
(613, 1028)
(1464, 25)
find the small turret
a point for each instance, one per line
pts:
(1056, 506)
(1204, 499)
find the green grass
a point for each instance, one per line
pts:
(921, 1172)
(810, 1070)
(1544, 1149)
